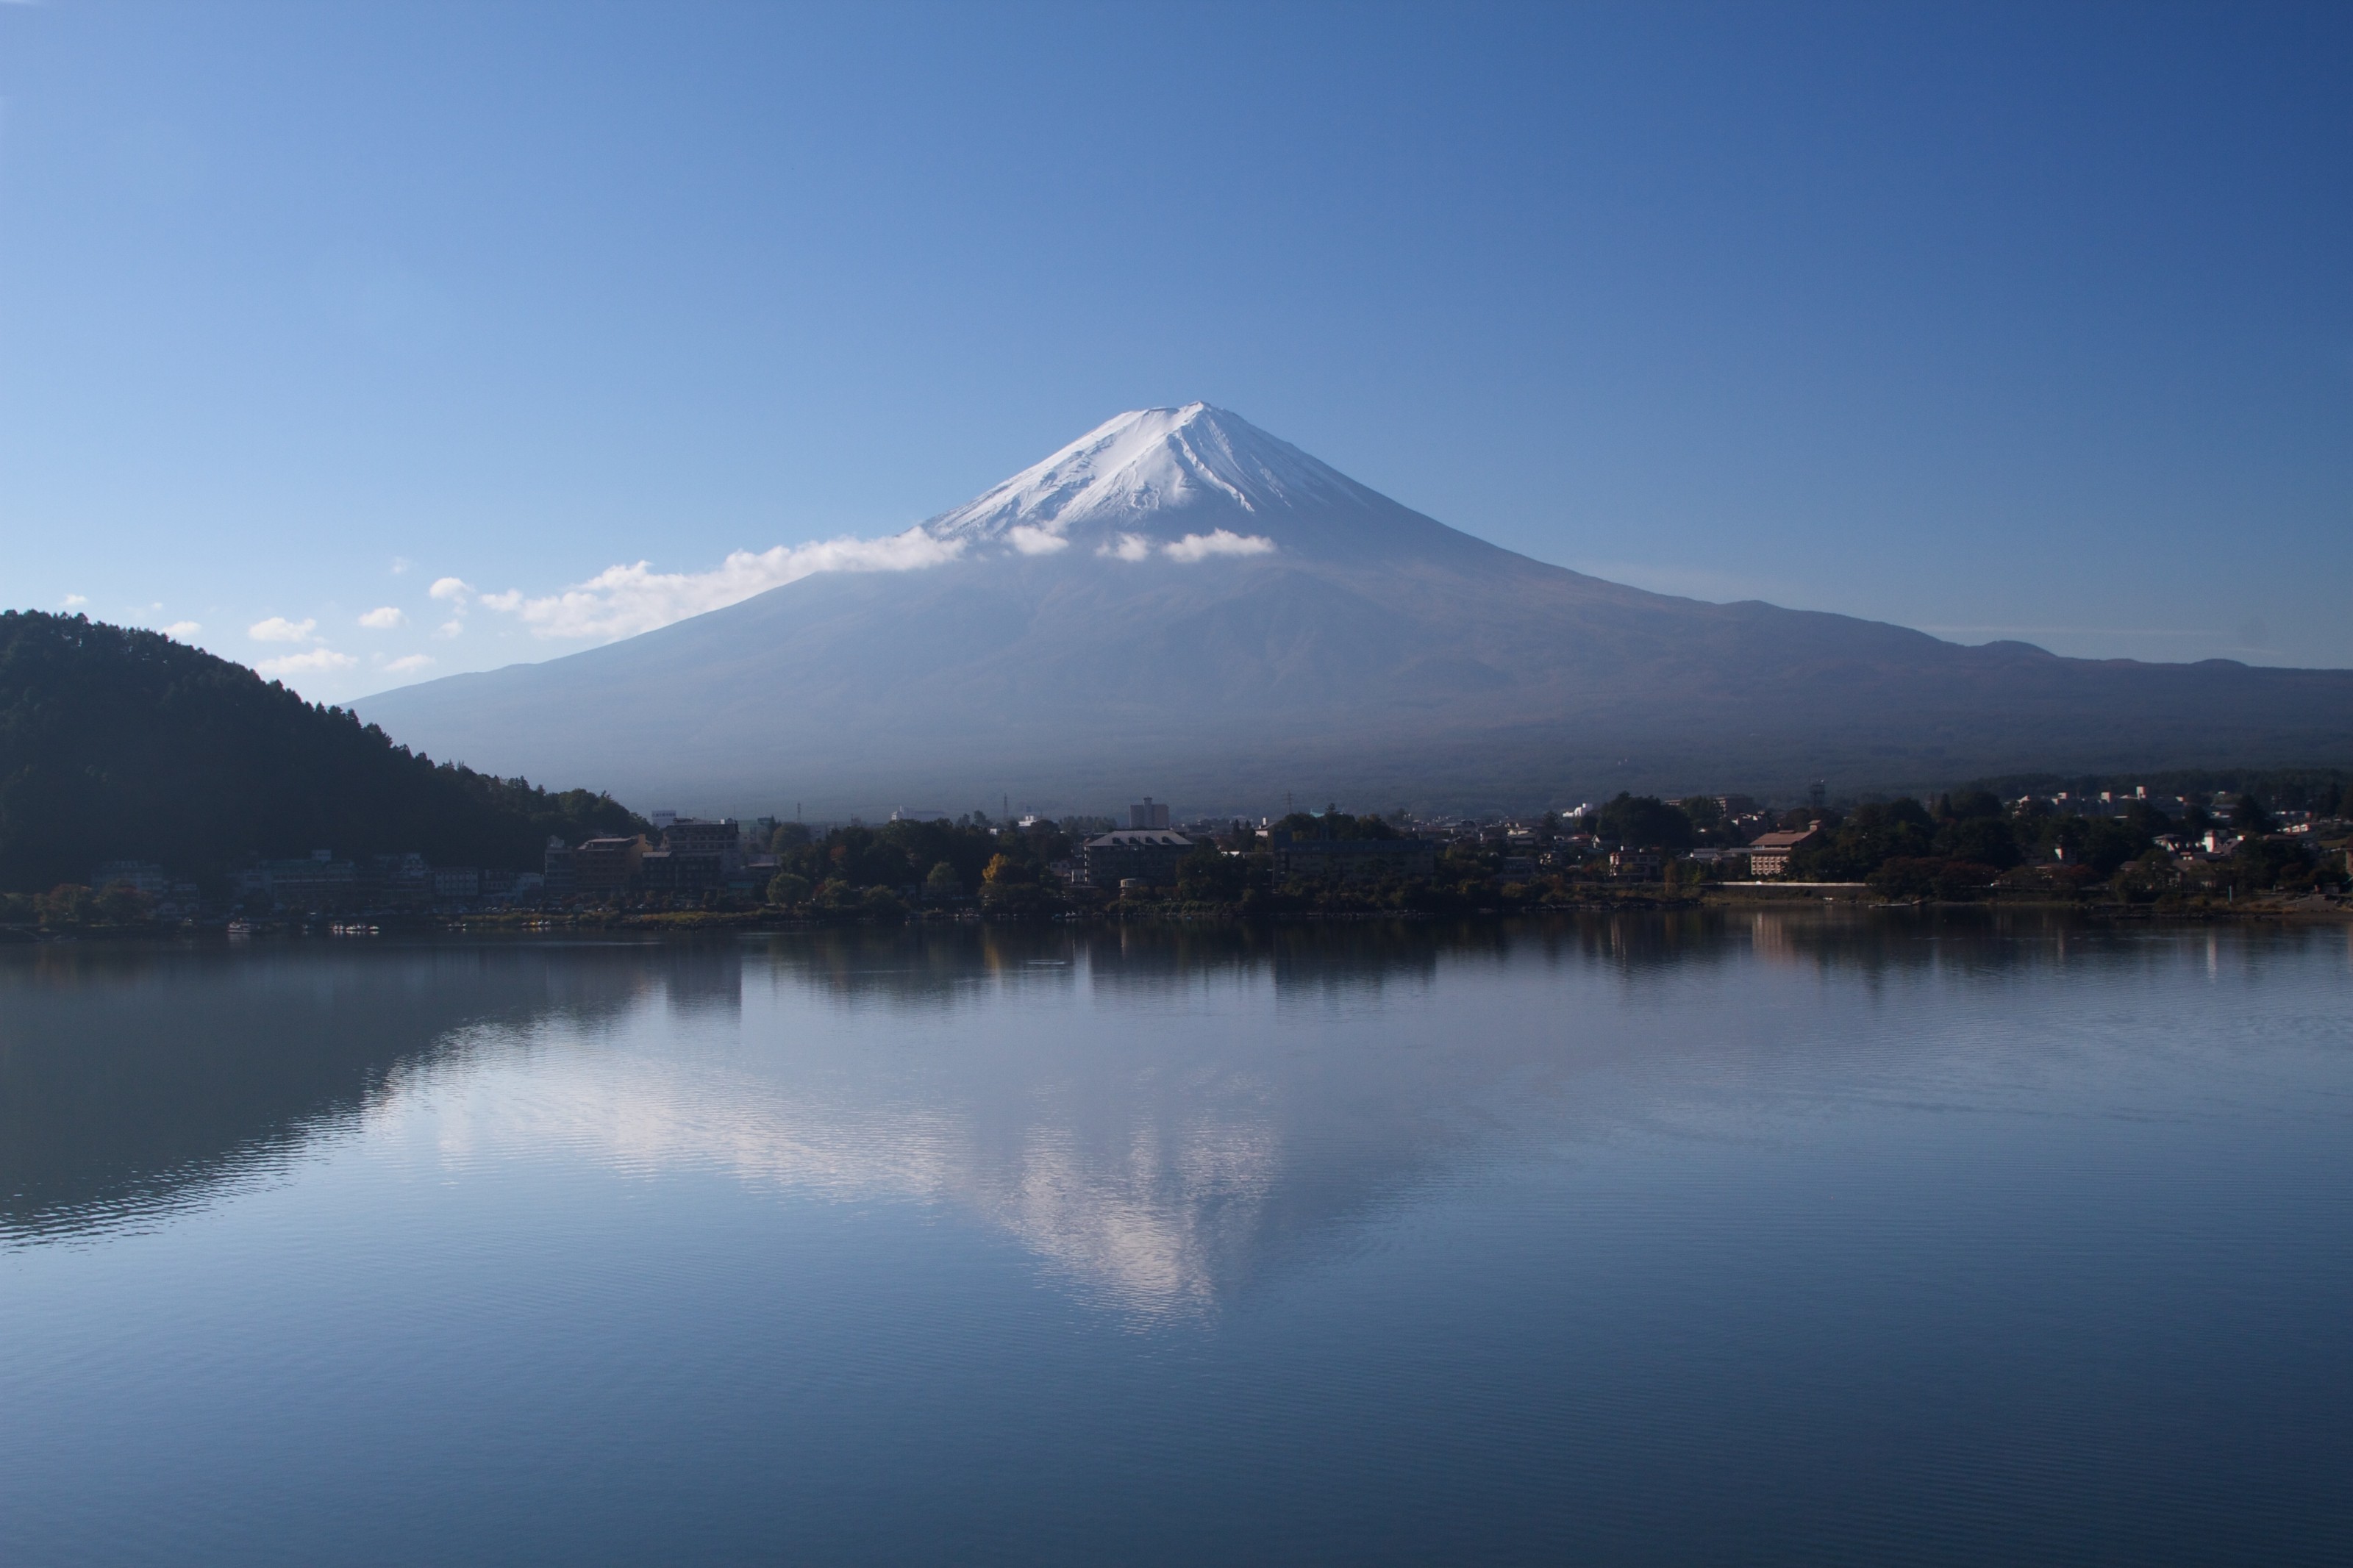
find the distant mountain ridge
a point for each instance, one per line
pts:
(1179, 602)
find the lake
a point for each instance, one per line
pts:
(1741, 1238)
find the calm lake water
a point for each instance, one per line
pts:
(1772, 1238)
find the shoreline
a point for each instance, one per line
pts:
(1844, 898)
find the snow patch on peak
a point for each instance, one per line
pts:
(1148, 463)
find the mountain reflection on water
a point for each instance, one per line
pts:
(134, 1078)
(1114, 1098)
(1782, 1237)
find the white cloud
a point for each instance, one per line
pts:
(449, 630)
(622, 601)
(1128, 547)
(451, 588)
(182, 629)
(1035, 540)
(401, 564)
(383, 618)
(1217, 541)
(318, 661)
(74, 601)
(278, 628)
(402, 665)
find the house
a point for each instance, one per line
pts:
(696, 854)
(1770, 855)
(145, 876)
(700, 838)
(555, 870)
(679, 871)
(608, 865)
(1353, 860)
(1636, 865)
(1148, 815)
(453, 884)
(403, 878)
(321, 882)
(1149, 856)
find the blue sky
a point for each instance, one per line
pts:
(2032, 322)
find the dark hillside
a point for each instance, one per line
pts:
(122, 744)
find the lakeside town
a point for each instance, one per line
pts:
(2134, 846)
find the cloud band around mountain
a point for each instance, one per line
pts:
(318, 661)
(1217, 541)
(622, 601)
(1193, 547)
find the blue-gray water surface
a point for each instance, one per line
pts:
(1769, 1238)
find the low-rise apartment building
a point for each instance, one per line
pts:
(1351, 859)
(1770, 855)
(608, 865)
(1150, 856)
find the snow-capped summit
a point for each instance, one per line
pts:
(1160, 475)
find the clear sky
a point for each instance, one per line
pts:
(2032, 322)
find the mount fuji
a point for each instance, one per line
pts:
(1179, 603)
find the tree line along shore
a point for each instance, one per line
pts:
(2232, 854)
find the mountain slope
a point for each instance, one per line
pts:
(121, 744)
(1179, 603)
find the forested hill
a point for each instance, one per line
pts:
(122, 744)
